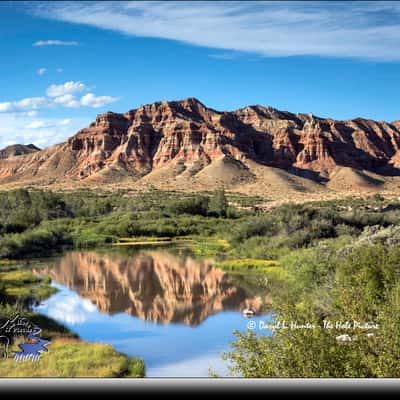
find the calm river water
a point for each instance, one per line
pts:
(176, 312)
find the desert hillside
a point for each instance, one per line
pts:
(184, 145)
(17, 150)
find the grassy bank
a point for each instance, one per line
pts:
(72, 358)
(22, 286)
(248, 265)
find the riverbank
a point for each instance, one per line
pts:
(322, 260)
(67, 355)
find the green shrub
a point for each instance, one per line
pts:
(43, 240)
(193, 206)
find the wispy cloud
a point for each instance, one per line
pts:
(47, 124)
(41, 71)
(32, 113)
(38, 125)
(41, 43)
(19, 128)
(27, 104)
(367, 30)
(223, 56)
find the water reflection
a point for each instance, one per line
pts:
(152, 285)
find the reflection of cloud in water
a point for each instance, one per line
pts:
(70, 309)
(169, 350)
(200, 366)
(175, 312)
(152, 285)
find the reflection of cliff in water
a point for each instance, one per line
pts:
(154, 286)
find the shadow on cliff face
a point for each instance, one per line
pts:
(281, 147)
(155, 286)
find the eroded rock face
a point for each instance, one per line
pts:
(155, 286)
(187, 132)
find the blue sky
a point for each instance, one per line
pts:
(62, 63)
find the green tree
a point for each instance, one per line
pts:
(218, 204)
(194, 206)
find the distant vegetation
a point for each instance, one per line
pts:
(39, 223)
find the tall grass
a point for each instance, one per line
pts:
(71, 358)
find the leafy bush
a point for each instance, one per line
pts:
(362, 286)
(192, 206)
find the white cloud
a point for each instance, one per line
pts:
(370, 30)
(59, 70)
(6, 106)
(62, 95)
(68, 101)
(41, 43)
(42, 71)
(30, 103)
(70, 309)
(91, 100)
(18, 128)
(70, 87)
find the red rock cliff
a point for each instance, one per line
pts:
(191, 135)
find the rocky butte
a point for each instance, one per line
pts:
(184, 145)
